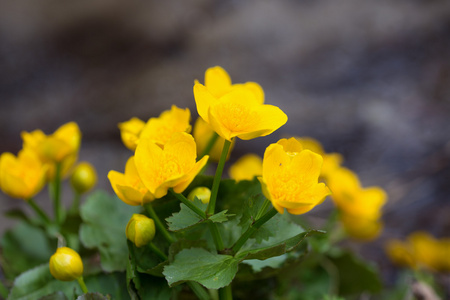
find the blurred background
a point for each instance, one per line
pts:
(369, 79)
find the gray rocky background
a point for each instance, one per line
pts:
(369, 79)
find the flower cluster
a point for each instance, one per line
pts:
(421, 251)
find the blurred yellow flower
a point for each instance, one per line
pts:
(331, 161)
(246, 167)
(160, 130)
(202, 134)
(130, 131)
(351, 198)
(290, 177)
(237, 111)
(140, 230)
(22, 176)
(60, 147)
(66, 264)
(128, 186)
(83, 178)
(357, 203)
(421, 250)
(173, 166)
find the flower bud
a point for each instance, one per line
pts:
(140, 230)
(83, 177)
(66, 264)
(202, 193)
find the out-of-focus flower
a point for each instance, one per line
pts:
(140, 230)
(60, 147)
(357, 203)
(83, 178)
(66, 264)
(202, 193)
(290, 177)
(160, 130)
(173, 166)
(400, 253)
(237, 111)
(128, 186)
(130, 132)
(22, 176)
(331, 161)
(246, 167)
(421, 250)
(202, 134)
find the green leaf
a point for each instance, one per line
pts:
(38, 282)
(272, 262)
(355, 275)
(276, 249)
(185, 218)
(24, 247)
(211, 270)
(105, 218)
(221, 217)
(55, 296)
(93, 296)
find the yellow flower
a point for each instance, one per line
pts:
(237, 110)
(173, 166)
(359, 228)
(351, 198)
(160, 130)
(22, 176)
(128, 186)
(66, 264)
(331, 161)
(130, 131)
(140, 230)
(290, 177)
(202, 193)
(83, 178)
(202, 134)
(246, 167)
(421, 250)
(60, 147)
(400, 253)
(218, 83)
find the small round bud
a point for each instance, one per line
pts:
(140, 230)
(66, 264)
(83, 177)
(202, 193)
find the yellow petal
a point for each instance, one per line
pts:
(130, 131)
(246, 167)
(203, 99)
(217, 81)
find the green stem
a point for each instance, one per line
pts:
(158, 222)
(225, 293)
(39, 211)
(3, 291)
(56, 194)
(255, 226)
(263, 209)
(76, 203)
(157, 251)
(198, 290)
(82, 285)
(210, 145)
(216, 236)
(189, 204)
(218, 177)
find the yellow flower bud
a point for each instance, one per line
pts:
(83, 178)
(202, 193)
(66, 264)
(140, 230)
